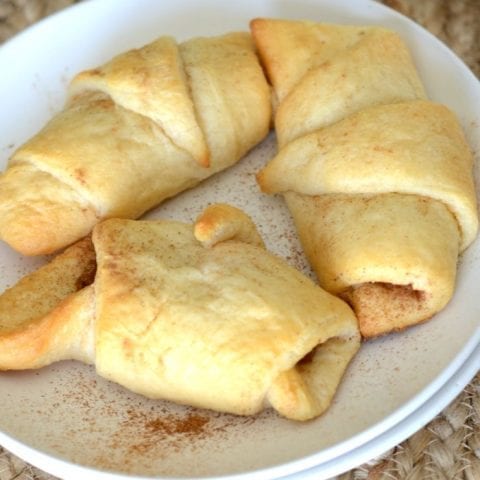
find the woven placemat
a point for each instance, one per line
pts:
(448, 448)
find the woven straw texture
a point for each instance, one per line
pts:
(448, 448)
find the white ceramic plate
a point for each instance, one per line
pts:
(395, 435)
(72, 423)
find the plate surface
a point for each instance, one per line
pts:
(74, 424)
(399, 432)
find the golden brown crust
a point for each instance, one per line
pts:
(295, 393)
(376, 151)
(150, 81)
(218, 323)
(322, 73)
(233, 316)
(230, 93)
(221, 222)
(142, 128)
(28, 205)
(377, 178)
(359, 244)
(39, 316)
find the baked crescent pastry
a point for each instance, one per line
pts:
(201, 315)
(147, 125)
(378, 179)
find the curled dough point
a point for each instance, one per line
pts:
(221, 222)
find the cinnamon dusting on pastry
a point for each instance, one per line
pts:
(396, 302)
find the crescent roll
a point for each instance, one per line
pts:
(377, 178)
(197, 314)
(147, 125)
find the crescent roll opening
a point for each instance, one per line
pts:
(400, 306)
(306, 390)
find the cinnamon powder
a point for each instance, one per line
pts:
(192, 424)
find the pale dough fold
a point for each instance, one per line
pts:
(197, 314)
(378, 179)
(149, 124)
